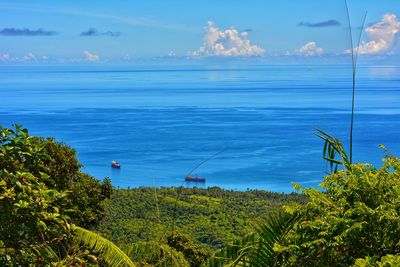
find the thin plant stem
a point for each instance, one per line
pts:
(354, 57)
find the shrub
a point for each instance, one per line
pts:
(20, 152)
(356, 215)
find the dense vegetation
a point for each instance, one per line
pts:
(357, 219)
(44, 201)
(48, 206)
(210, 217)
(353, 221)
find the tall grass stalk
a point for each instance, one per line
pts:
(354, 57)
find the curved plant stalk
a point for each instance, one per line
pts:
(354, 57)
(333, 146)
(110, 252)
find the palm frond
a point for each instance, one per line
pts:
(110, 252)
(231, 252)
(156, 254)
(257, 250)
(333, 152)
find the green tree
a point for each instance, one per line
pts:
(32, 228)
(35, 229)
(106, 188)
(195, 254)
(35, 155)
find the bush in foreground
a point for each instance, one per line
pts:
(42, 196)
(357, 214)
(353, 221)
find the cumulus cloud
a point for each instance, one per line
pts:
(91, 57)
(310, 49)
(95, 32)
(384, 36)
(320, 24)
(226, 43)
(25, 32)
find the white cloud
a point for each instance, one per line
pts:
(5, 58)
(310, 49)
(91, 57)
(382, 35)
(29, 57)
(70, 60)
(25, 58)
(226, 43)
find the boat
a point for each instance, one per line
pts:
(115, 164)
(194, 179)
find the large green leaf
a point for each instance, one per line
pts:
(110, 252)
(257, 249)
(155, 254)
(333, 148)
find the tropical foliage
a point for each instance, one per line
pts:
(152, 253)
(257, 248)
(353, 221)
(32, 227)
(112, 254)
(45, 201)
(355, 215)
(41, 157)
(210, 217)
(42, 193)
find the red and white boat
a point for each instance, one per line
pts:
(115, 164)
(194, 179)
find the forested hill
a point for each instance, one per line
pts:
(210, 217)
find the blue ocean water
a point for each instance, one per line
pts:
(160, 121)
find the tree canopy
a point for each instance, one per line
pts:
(42, 195)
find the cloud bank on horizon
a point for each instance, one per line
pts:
(382, 38)
(30, 57)
(226, 43)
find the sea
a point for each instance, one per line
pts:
(243, 126)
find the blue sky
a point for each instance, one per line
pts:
(76, 31)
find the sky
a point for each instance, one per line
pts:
(112, 31)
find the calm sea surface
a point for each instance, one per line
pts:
(159, 122)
